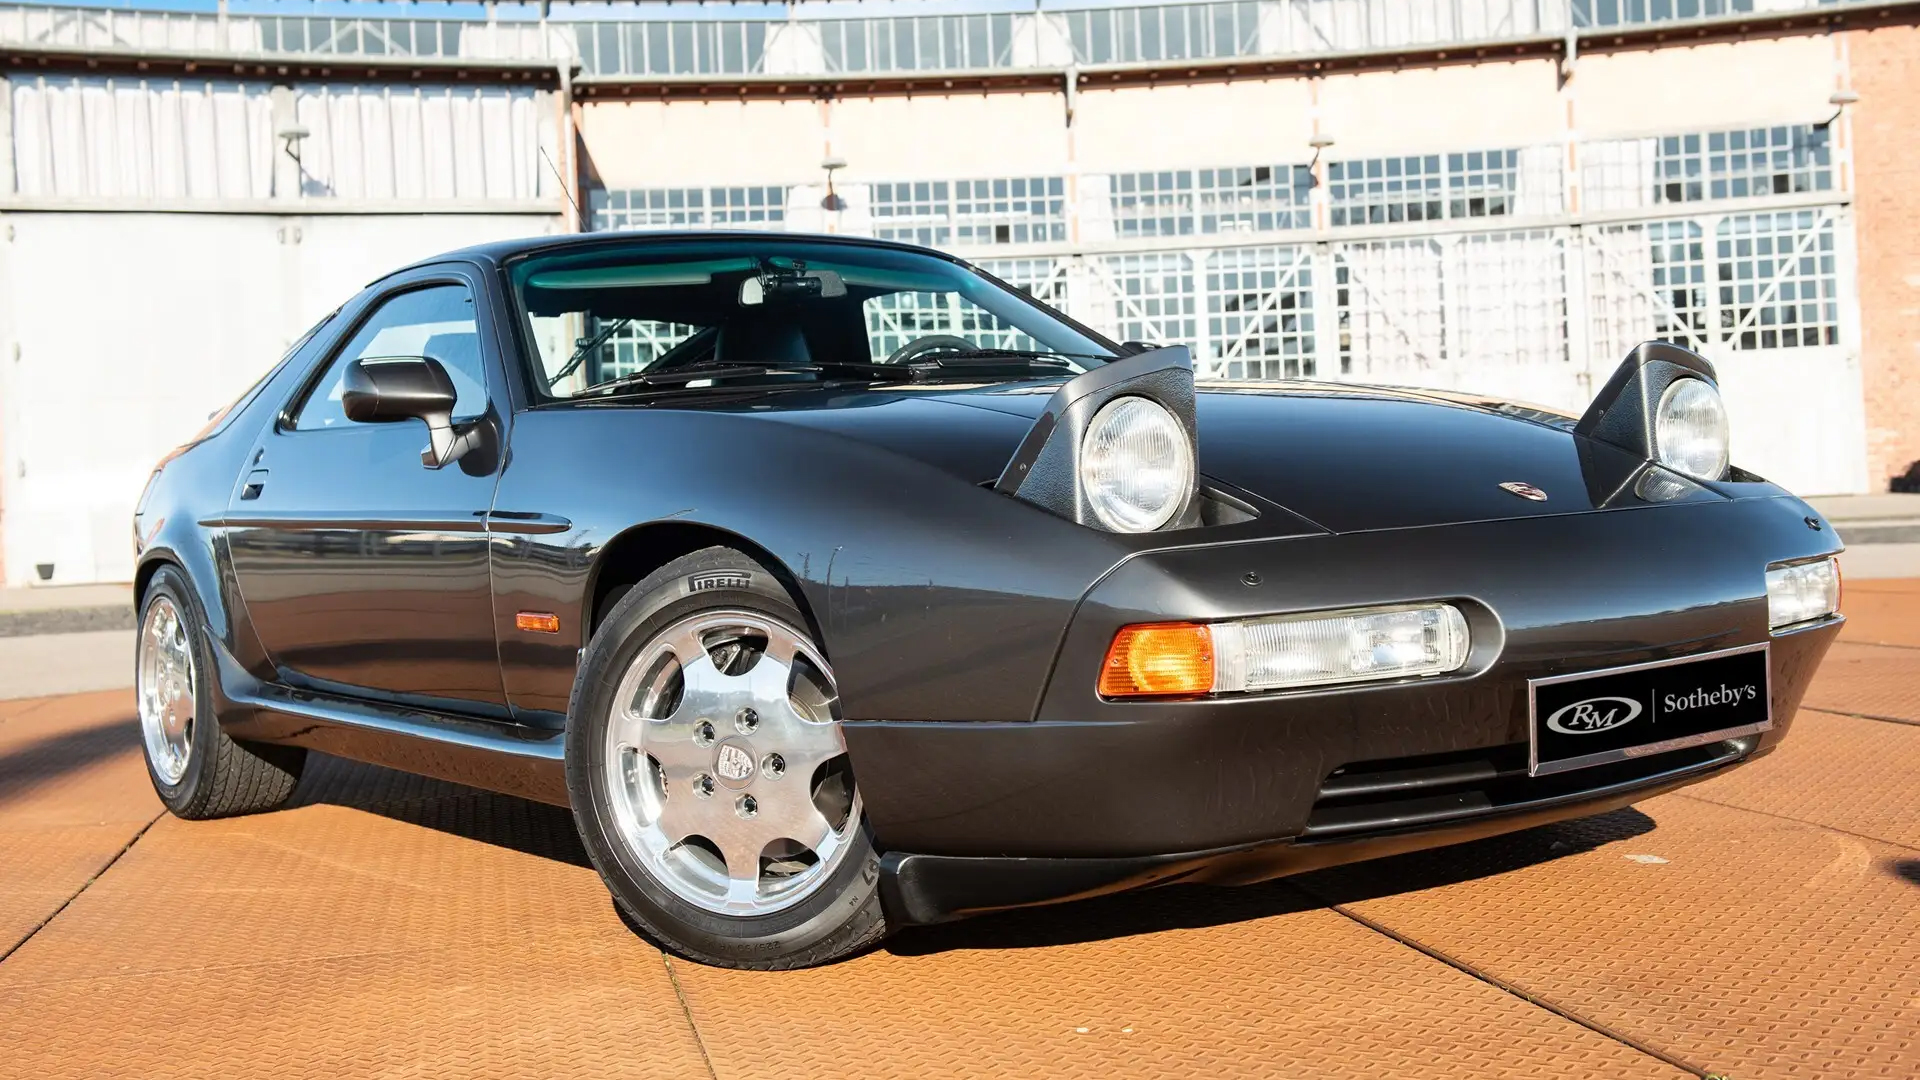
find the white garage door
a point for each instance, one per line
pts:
(124, 331)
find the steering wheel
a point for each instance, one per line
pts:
(920, 346)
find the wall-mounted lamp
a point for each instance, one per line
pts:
(292, 134)
(1839, 99)
(1320, 141)
(833, 202)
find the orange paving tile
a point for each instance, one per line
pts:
(1908, 586)
(1874, 680)
(1181, 981)
(552, 1004)
(1857, 776)
(1754, 947)
(389, 925)
(1882, 611)
(73, 792)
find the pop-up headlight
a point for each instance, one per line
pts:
(1690, 431)
(1663, 403)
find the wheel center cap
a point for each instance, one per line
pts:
(733, 763)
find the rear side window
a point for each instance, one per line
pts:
(437, 321)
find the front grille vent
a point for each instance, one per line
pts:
(1421, 792)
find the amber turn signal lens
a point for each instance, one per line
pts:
(1158, 659)
(537, 622)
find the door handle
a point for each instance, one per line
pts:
(256, 480)
(524, 521)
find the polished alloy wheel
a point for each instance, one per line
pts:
(728, 773)
(165, 686)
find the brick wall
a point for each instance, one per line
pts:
(1886, 134)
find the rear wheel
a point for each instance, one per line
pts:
(197, 770)
(709, 777)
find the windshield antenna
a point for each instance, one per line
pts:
(564, 190)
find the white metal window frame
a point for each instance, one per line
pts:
(1711, 166)
(1722, 282)
(1132, 34)
(671, 47)
(970, 212)
(739, 206)
(1210, 201)
(917, 42)
(1051, 37)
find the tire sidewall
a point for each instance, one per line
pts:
(637, 619)
(173, 584)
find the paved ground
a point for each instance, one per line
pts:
(1764, 925)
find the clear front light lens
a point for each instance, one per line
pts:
(1690, 431)
(1802, 592)
(1288, 651)
(1136, 466)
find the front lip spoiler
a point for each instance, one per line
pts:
(918, 890)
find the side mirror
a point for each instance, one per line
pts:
(383, 389)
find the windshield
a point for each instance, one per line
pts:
(658, 312)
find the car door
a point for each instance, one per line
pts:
(365, 571)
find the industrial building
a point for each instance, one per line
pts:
(1497, 196)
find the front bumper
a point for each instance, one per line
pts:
(1111, 795)
(924, 889)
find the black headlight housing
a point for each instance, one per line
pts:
(1047, 469)
(1626, 411)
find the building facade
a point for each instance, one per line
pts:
(1487, 195)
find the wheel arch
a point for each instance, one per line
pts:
(629, 557)
(150, 565)
(201, 580)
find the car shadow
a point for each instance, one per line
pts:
(548, 832)
(1179, 907)
(35, 765)
(505, 821)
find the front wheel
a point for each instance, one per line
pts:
(197, 770)
(709, 777)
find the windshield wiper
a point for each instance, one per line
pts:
(984, 362)
(990, 362)
(689, 373)
(587, 348)
(1016, 354)
(680, 376)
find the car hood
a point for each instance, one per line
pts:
(1348, 458)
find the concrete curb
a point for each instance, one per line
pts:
(74, 620)
(1899, 533)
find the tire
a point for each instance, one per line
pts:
(643, 778)
(197, 770)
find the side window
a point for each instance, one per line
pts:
(437, 321)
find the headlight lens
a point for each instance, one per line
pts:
(1802, 592)
(1136, 466)
(1285, 652)
(1690, 430)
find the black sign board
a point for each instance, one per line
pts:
(1600, 716)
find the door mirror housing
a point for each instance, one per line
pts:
(383, 389)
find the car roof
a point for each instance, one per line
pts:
(497, 252)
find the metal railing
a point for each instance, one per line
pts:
(147, 30)
(1164, 32)
(670, 48)
(1052, 38)
(918, 43)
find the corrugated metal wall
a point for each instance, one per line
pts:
(123, 328)
(107, 137)
(412, 142)
(141, 138)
